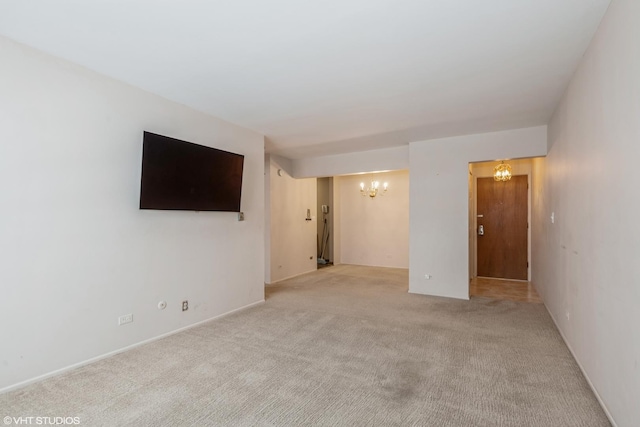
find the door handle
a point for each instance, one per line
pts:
(481, 230)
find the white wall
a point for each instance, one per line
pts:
(293, 239)
(439, 215)
(75, 250)
(386, 159)
(375, 231)
(586, 263)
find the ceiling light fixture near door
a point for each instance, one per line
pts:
(502, 172)
(373, 190)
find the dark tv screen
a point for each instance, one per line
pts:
(179, 175)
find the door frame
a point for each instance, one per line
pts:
(485, 170)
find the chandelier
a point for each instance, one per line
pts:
(502, 172)
(372, 191)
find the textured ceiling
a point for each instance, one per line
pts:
(329, 76)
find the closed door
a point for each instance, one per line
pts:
(502, 228)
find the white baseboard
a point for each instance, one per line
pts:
(292, 276)
(595, 392)
(121, 350)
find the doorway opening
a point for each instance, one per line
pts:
(499, 222)
(325, 211)
(361, 228)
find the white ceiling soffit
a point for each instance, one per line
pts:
(328, 76)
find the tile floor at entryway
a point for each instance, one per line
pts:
(513, 290)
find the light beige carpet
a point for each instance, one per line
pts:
(347, 346)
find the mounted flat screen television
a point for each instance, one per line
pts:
(179, 175)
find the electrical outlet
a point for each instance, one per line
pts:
(428, 276)
(127, 318)
(185, 305)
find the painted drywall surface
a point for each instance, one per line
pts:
(386, 159)
(76, 252)
(586, 261)
(293, 238)
(283, 163)
(375, 231)
(485, 170)
(439, 216)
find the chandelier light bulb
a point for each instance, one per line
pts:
(373, 190)
(502, 172)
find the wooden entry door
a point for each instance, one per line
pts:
(502, 228)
